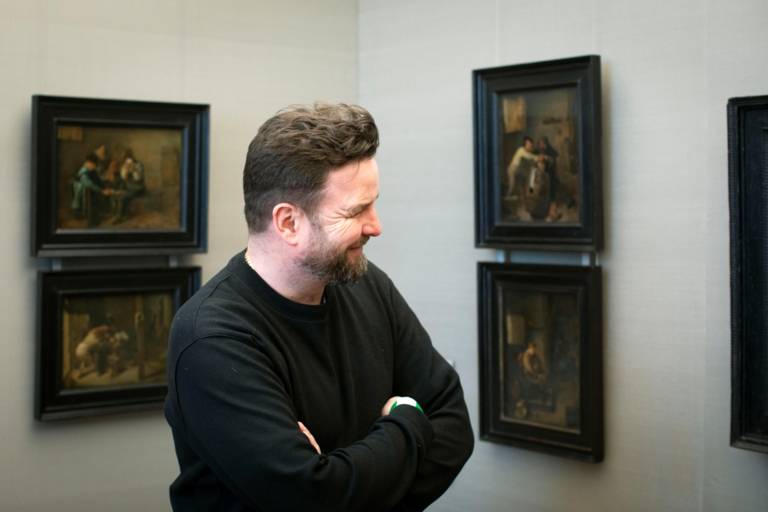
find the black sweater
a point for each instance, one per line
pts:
(246, 364)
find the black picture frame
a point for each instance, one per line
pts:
(540, 350)
(747, 178)
(547, 195)
(146, 190)
(102, 339)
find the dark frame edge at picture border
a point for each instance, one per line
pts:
(489, 233)
(192, 236)
(748, 277)
(592, 450)
(52, 287)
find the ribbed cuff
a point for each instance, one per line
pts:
(419, 420)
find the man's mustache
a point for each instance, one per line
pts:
(361, 243)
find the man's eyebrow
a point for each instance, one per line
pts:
(355, 209)
(359, 206)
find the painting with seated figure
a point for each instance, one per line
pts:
(118, 178)
(541, 358)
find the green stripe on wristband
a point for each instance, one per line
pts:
(407, 401)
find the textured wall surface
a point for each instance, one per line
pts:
(668, 70)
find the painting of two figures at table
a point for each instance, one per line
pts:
(539, 174)
(539, 366)
(115, 339)
(118, 178)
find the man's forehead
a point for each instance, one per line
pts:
(361, 177)
(345, 200)
(347, 173)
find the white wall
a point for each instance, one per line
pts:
(246, 59)
(668, 70)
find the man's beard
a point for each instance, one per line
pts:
(330, 264)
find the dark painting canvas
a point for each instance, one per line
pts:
(540, 174)
(118, 178)
(115, 339)
(540, 359)
(540, 348)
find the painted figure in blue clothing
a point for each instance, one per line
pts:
(87, 179)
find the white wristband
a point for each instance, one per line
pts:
(406, 400)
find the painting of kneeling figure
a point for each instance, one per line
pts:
(103, 338)
(116, 339)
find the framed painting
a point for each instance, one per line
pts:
(103, 337)
(747, 179)
(538, 178)
(541, 358)
(118, 177)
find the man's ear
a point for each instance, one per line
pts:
(286, 219)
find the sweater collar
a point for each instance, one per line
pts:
(238, 266)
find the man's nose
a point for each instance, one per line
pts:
(372, 226)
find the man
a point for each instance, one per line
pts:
(129, 185)
(88, 179)
(299, 379)
(522, 162)
(549, 155)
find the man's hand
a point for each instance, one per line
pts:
(306, 432)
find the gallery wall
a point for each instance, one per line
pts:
(668, 69)
(245, 59)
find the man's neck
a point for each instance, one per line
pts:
(282, 275)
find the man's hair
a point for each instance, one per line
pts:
(293, 152)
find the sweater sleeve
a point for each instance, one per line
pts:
(239, 419)
(422, 373)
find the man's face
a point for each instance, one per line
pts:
(528, 144)
(343, 222)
